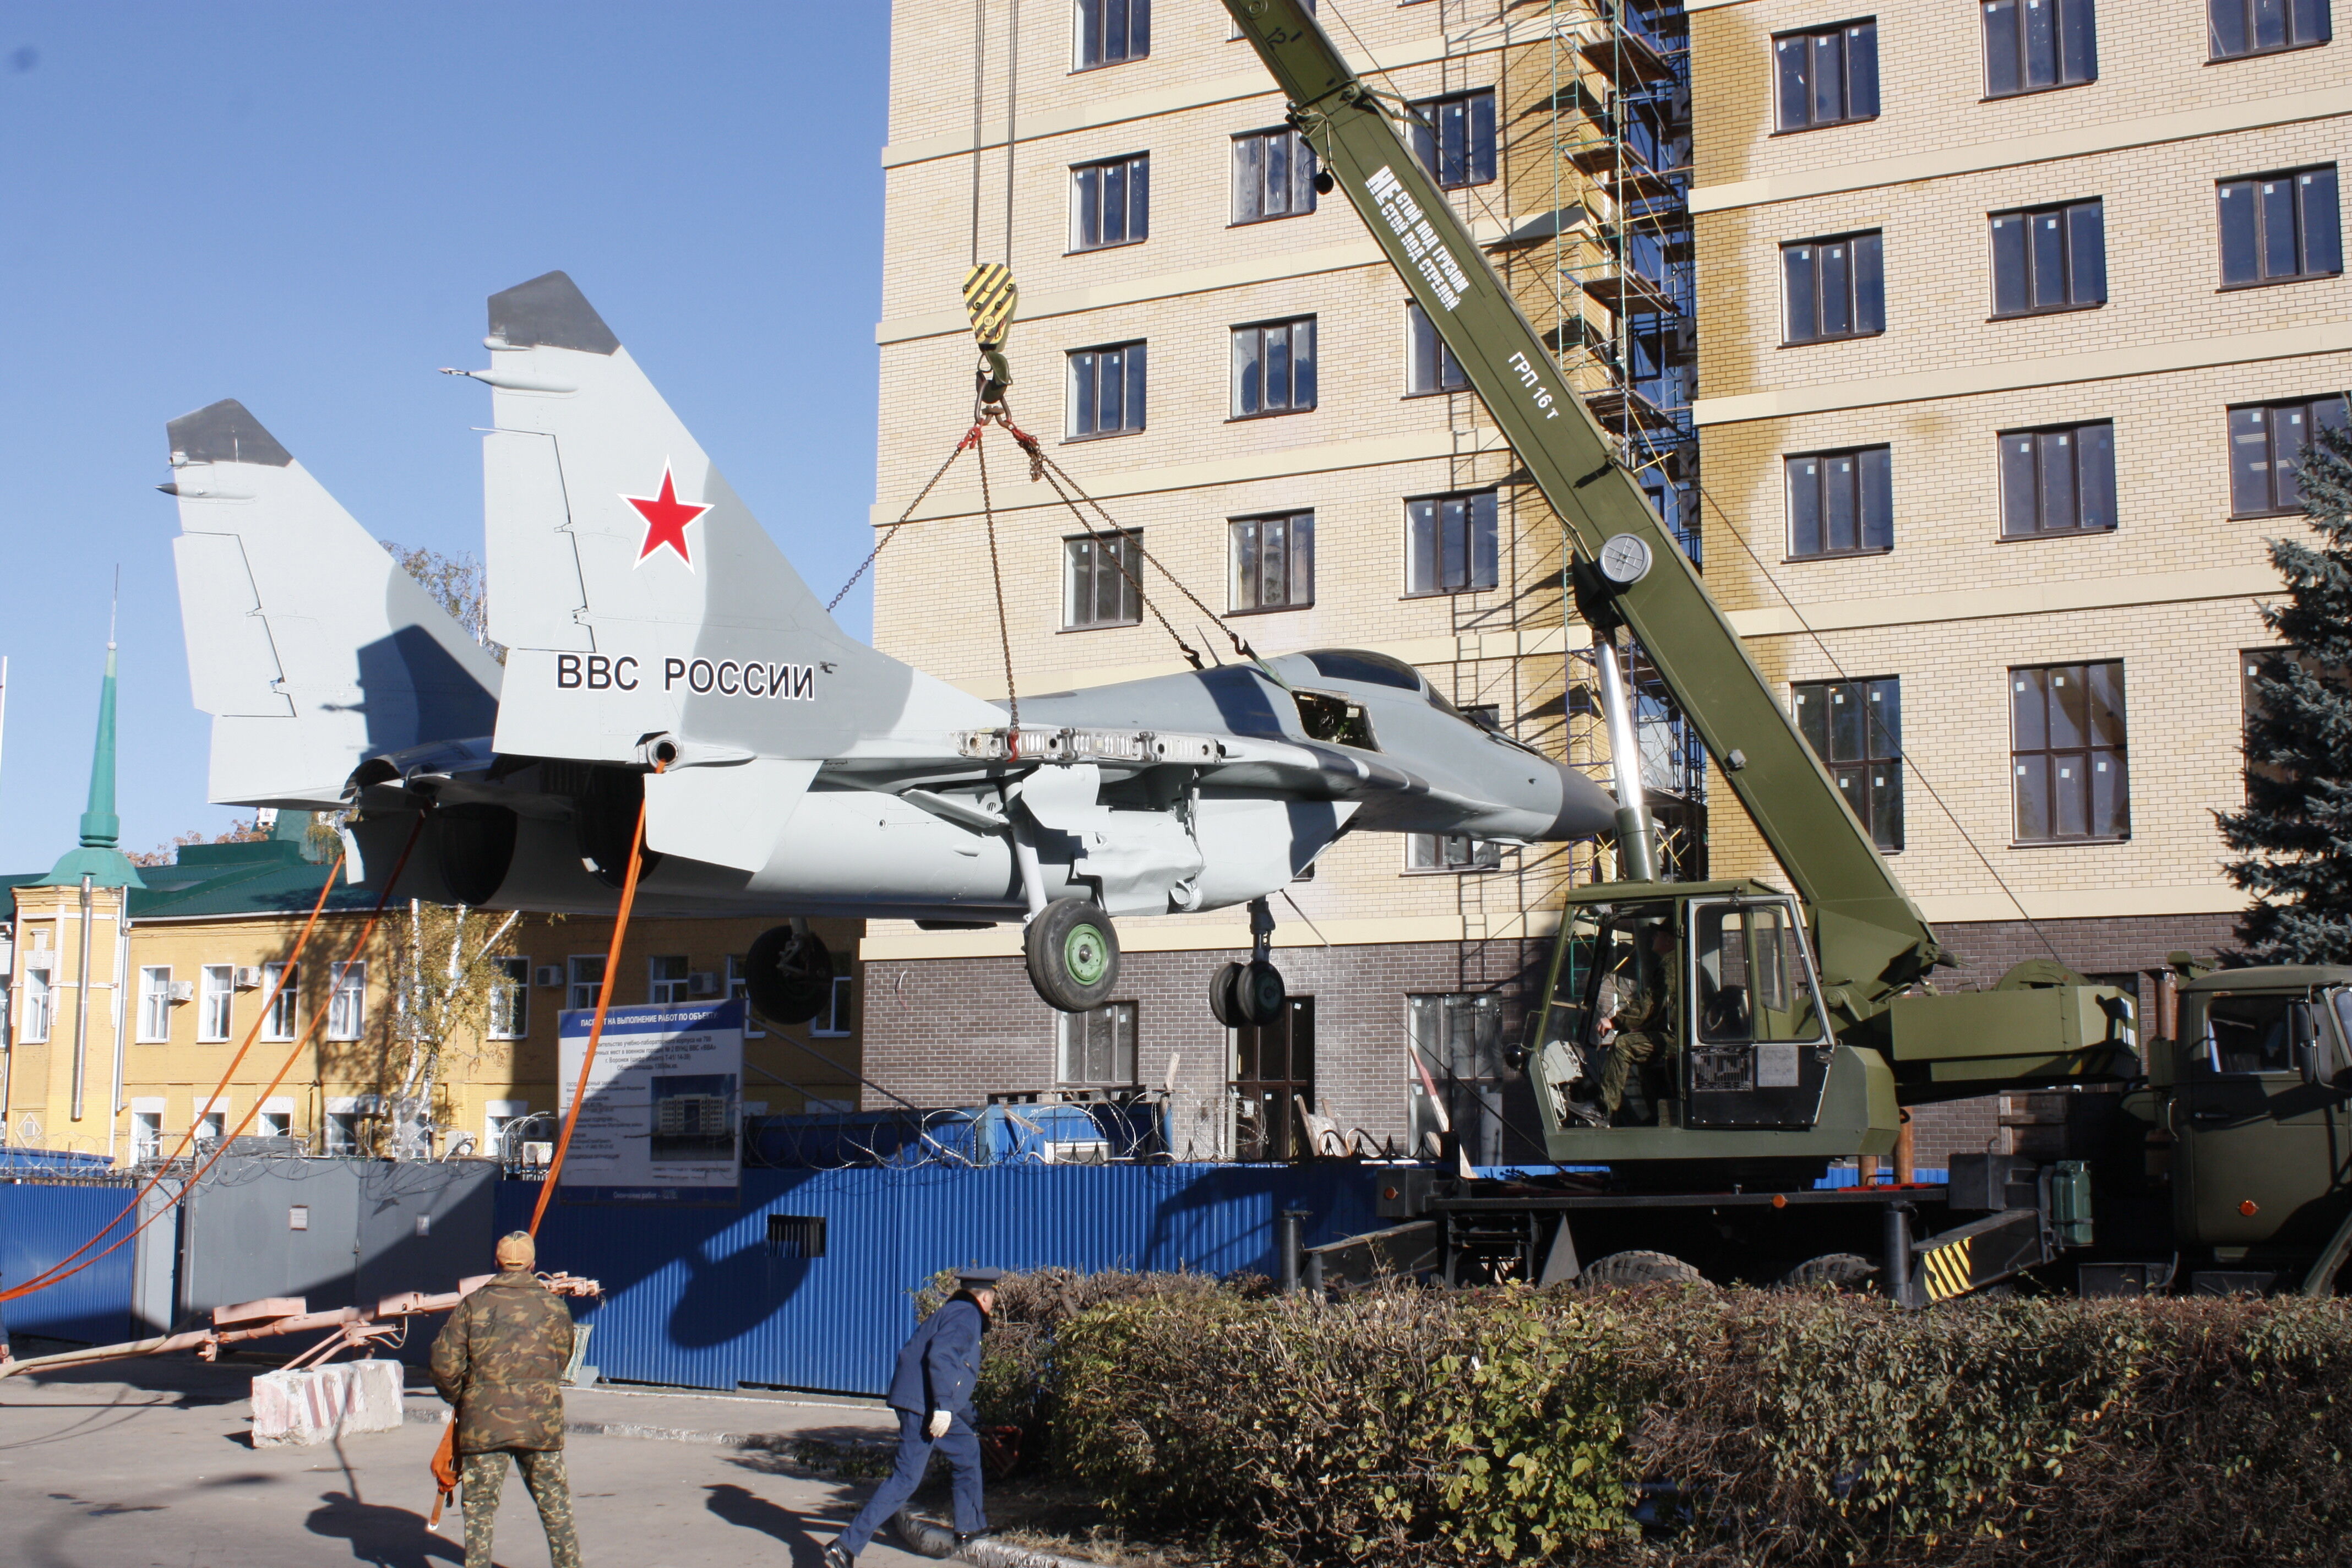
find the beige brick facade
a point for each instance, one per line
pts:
(2175, 590)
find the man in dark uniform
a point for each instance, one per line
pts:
(937, 1373)
(499, 1359)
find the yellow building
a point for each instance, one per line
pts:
(119, 1022)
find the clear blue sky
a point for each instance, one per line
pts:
(304, 206)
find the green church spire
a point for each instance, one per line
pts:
(101, 857)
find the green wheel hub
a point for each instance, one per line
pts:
(1086, 955)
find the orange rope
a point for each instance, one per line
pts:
(596, 1029)
(58, 1272)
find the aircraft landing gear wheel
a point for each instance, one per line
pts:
(1260, 992)
(1224, 994)
(1073, 954)
(788, 975)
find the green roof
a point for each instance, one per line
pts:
(262, 876)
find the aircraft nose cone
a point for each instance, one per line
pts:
(1585, 808)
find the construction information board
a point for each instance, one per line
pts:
(663, 1122)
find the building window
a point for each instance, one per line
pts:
(270, 1123)
(585, 980)
(146, 1135)
(1450, 543)
(215, 1000)
(1450, 852)
(1274, 368)
(1101, 576)
(1274, 1075)
(2049, 258)
(1110, 203)
(2266, 446)
(1458, 1042)
(342, 1132)
(1430, 365)
(1834, 288)
(839, 1017)
(279, 1023)
(666, 980)
(1273, 175)
(40, 1002)
(2033, 44)
(155, 1004)
(2236, 28)
(1099, 1046)
(509, 998)
(1110, 31)
(2066, 752)
(2060, 480)
(1841, 503)
(1107, 391)
(2276, 227)
(1828, 76)
(1274, 561)
(347, 1001)
(210, 1125)
(1855, 728)
(1454, 138)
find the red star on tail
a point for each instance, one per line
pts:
(666, 518)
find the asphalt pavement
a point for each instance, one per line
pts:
(149, 1465)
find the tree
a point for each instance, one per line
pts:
(457, 582)
(2296, 832)
(443, 985)
(244, 830)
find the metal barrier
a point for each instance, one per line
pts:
(810, 1282)
(42, 1221)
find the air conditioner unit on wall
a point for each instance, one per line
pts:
(183, 991)
(247, 977)
(548, 975)
(702, 983)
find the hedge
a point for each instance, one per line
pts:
(1685, 1425)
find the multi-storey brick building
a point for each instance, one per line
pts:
(1996, 393)
(2096, 301)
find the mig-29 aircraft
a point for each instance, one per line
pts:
(662, 651)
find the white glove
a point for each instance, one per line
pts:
(939, 1426)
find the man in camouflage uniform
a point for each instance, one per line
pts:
(1645, 1023)
(498, 1359)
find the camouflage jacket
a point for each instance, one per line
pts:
(498, 1359)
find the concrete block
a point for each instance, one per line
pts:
(320, 1404)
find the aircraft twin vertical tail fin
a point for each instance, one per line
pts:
(637, 595)
(307, 644)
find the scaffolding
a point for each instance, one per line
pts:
(1592, 233)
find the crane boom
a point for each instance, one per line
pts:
(1872, 938)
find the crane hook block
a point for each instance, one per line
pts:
(989, 296)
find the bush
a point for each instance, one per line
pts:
(1683, 1425)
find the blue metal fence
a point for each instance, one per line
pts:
(41, 1222)
(696, 1298)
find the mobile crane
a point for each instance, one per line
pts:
(1803, 1022)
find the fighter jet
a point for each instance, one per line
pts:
(662, 652)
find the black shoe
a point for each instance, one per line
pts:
(835, 1557)
(1589, 1114)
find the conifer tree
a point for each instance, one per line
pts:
(2295, 834)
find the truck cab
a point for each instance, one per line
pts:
(2255, 1088)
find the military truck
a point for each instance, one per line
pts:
(1787, 1029)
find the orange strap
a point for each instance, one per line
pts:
(445, 1471)
(596, 1029)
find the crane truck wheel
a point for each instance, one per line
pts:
(788, 975)
(1637, 1268)
(1073, 955)
(1840, 1270)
